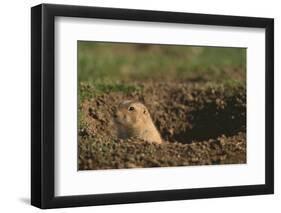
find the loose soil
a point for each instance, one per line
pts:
(200, 124)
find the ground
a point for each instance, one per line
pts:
(200, 124)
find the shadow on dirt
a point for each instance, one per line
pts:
(211, 122)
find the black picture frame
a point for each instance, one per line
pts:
(43, 102)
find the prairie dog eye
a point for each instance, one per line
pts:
(131, 108)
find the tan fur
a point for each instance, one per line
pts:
(133, 120)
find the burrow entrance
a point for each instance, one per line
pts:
(208, 116)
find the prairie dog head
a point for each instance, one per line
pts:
(131, 114)
(133, 120)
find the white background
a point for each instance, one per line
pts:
(15, 106)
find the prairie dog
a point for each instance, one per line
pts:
(133, 120)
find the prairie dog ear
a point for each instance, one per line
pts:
(145, 111)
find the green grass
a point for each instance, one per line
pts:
(91, 90)
(116, 63)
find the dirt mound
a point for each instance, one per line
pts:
(200, 123)
(134, 153)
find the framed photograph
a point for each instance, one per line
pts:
(139, 106)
